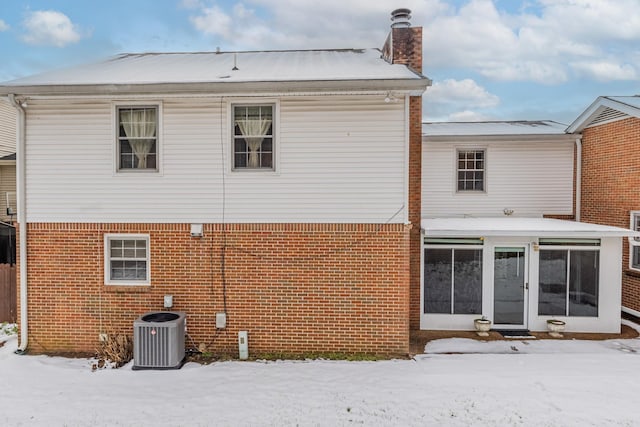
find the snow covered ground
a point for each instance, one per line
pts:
(501, 383)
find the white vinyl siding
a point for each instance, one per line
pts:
(7, 191)
(341, 159)
(530, 178)
(8, 118)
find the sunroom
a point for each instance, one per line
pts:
(521, 272)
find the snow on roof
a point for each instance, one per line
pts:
(510, 226)
(493, 128)
(211, 67)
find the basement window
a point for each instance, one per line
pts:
(127, 259)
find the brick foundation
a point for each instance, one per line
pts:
(294, 287)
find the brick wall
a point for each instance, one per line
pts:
(610, 173)
(294, 287)
(415, 204)
(404, 46)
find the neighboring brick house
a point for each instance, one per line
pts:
(281, 188)
(610, 130)
(496, 197)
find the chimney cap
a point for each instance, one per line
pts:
(400, 18)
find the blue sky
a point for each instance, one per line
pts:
(489, 59)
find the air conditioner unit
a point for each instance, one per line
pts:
(158, 340)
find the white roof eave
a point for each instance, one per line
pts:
(413, 87)
(596, 108)
(543, 137)
(516, 227)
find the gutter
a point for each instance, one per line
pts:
(578, 176)
(415, 87)
(22, 223)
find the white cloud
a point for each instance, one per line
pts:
(543, 41)
(467, 116)
(537, 44)
(458, 100)
(3, 26)
(457, 92)
(303, 24)
(606, 70)
(50, 28)
(213, 20)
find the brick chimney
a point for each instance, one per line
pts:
(404, 46)
(404, 42)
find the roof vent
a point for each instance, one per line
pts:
(400, 18)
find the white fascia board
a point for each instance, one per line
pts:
(596, 108)
(500, 138)
(414, 87)
(515, 227)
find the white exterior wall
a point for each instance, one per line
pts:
(8, 122)
(7, 191)
(531, 178)
(339, 160)
(609, 295)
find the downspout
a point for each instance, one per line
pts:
(22, 223)
(578, 176)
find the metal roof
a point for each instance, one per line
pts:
(510, 226)
(493, 128)
(224, 68)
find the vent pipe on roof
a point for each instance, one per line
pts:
(400, 18)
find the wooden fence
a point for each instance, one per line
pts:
(8, 303)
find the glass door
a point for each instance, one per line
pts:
(510, 285)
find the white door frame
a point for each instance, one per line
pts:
(526, 282)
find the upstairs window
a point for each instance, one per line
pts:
(253, 141)
(634, 243)
(471, 167)
(137, 138)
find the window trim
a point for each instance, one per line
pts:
(107, 259)
(115, 126)
(569, 249)
(459, 149)
(634, 242)
(275, 135)
(453, 247)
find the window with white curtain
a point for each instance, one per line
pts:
(137, 138)
(253, 137)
